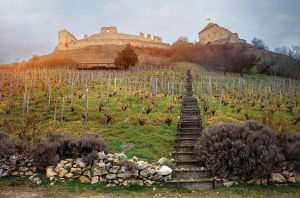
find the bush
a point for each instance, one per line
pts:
(239, 151)
(61, 146)
(7, 146)
(290, 146)
(126, 58)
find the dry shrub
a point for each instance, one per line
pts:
(56, 147)
(239, 151)
(289, 143)
(7, 146)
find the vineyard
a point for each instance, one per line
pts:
(137, 110)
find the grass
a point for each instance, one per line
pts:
(72, 188)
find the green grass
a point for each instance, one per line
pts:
(72, 188)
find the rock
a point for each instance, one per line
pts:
(285, 173)
(95, 180)
(82, 164)
(145, 173)
(297, 176)
(75, 171)
(111, 176)
(114, 169)
(141, 165)
(167, 178)
(277, 178)
(23, 169)
(98, 171)
(164, 170)
(84, 179)
(264, 181)
(102, 180)
(148, 182)
(157, 177)
(248, 182)
(69, 175)
(50, 172)
(39, 182)
(28, 173)
(1, 172)
(121, 158)
(257, 181)
(162, 161)
(5, 173)
(101, 164)
(135, 159)
(228, 184)
(33, 169)
(291, 179)
(125, 183)
(62, 172)
(101, 155)
(125, 175)
(87, 173)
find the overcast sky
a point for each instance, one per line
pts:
(29, 27)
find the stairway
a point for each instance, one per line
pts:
(188, 172)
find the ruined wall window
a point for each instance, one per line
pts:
(107, 30)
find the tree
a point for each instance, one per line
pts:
(126, 58)
(259, 43)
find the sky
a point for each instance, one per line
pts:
(29, 27)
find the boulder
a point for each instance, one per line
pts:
(75, 171)
(62, 172)
(50, 172)
(145, 173)
(111, 176)
(101, 155)
(291, 179)
(69, 175)
(114, 169)
(277, 178)
(23, 169)
(148, 182)
(98, 171)
(162, 161)
(141, 165)
(285, 173)
(87, 173)
(84, 179)
(124, 175)
(164, 170)
(228, 184)
(95, 180)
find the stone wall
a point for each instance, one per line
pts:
(107, 36)
(110, 169)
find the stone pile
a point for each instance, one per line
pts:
(17, 165)
(110, 169)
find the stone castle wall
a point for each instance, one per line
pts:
(214, 34)
(107, 36)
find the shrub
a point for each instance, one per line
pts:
(234, 151)
(126, 58)
(290, 146)
(7, 146)
(56, 147)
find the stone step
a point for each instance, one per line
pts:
(196, 184)
(188, 164)
(183, 155)
(189, 130)
(190, 124)
(189, 135)
(184, 148)
(192, 173)
(186, 141)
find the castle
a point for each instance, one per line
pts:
(214, 34)
(107, 36)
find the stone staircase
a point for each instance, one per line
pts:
(188, 172)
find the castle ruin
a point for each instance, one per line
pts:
(107, 36)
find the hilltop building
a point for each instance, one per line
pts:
(215, 34)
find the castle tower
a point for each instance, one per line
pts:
(65, 39)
